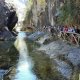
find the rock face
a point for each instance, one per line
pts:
(5, 34)
(43, 13)
(12, 20)
(2, 1)
(3, 17)
(66, 57)
(40, 13)
(6, 17)
(8, 56)
(8, 20)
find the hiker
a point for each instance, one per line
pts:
(77, 30)
(51, 30)
(61, 28)
(71, 29)
(65, 29)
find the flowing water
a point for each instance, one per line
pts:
(25, 64)
(24, 67)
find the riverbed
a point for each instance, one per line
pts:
(55, 60)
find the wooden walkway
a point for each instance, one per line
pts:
(71, 37)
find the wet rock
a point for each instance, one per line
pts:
(43, 66)
(8, 16)
(11, 73)
(66, 56)
(6, 35)
(56, 48)
(44, 40)
(8, 54)
(36, 35)
(74, 56)
(4, 62)
(64, 68)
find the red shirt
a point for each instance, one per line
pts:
(65, 29)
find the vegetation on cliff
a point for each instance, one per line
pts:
(70, 12)
(53, 12)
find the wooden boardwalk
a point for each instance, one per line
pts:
(71, 37)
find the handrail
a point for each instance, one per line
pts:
(70, 32)
(77, 40)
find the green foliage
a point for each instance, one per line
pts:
(70, 12)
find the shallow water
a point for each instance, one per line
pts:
(24, 67)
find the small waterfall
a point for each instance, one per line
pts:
(24, 67)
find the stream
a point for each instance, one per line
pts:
(30, 61)
(25, 59)
(25, 64)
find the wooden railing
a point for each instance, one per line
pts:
(71, 36)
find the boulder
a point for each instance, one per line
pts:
(6, 35)
(8, 16)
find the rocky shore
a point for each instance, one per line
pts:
(66, 56)
(61, 59)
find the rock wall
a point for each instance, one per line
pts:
(8, 16)
(40, 13)
(43, 13)
(5, 11)
(3, 17)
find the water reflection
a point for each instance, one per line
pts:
(24, 72)
(24, 67)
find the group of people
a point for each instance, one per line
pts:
(73, 29)
(69, 33)
(51, 29)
